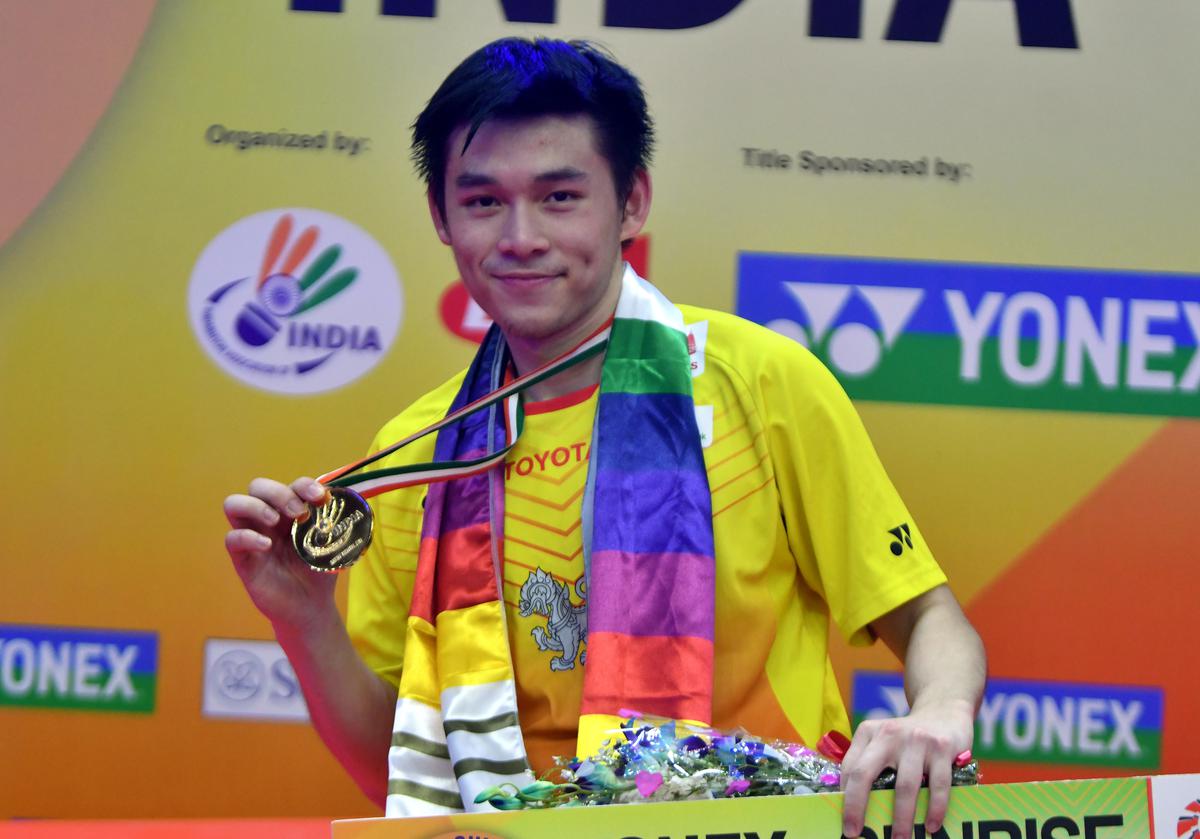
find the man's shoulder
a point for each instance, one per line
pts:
(422, 412)
(750, 349)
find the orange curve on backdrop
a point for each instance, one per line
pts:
(1097, 598)
(61, 63)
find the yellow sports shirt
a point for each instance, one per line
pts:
(806, 525)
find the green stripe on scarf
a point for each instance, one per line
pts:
(632, 365)
(482, 726)
(420, 744)
(450, 800)
(500, 767)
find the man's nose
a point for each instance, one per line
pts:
(522, 235)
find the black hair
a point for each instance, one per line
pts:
(518, 77)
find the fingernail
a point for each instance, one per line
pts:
(264, 542)
(295, 508)
(272, 517)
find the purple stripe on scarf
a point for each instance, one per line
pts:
(652, 511)
(466, 503)
(676, 588)
(649, 431)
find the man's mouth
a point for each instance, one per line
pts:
(524, 276)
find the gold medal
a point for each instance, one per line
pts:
(335, 534)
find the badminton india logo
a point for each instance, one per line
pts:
(295, 301)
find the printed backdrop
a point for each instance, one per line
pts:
(216, 263)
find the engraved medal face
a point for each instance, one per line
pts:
(335, 534)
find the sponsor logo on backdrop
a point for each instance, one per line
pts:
(295, 301)
(1005, 336)
(1047, 23)
(1176, 805)
(1188, 823)
(84, 669)
(462, 315)
(1043, 722)
(250, 680)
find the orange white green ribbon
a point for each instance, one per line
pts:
(377, 481)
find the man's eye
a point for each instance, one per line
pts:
(562, 196)
(482, 201)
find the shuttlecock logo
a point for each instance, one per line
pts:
(295, 301)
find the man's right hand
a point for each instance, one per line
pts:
(350, 706)
(284, 588)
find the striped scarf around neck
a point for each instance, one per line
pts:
(648, 558)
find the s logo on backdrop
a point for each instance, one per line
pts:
(295, 301)
(252, 680)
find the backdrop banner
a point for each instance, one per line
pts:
(216, 262)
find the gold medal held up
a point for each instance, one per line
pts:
(335, 534)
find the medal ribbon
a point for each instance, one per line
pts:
(378, 481)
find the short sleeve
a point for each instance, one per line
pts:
(854, 540)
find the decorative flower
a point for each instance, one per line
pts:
(668, 760)
(738, 786)
(648, 782)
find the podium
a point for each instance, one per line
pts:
(1156, 807)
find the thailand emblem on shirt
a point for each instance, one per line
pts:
(565, 631)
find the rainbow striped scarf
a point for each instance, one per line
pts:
(648, 553)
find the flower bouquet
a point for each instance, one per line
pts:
(668, 760)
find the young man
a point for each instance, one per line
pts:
(671, 532)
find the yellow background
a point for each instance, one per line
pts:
(119, 438)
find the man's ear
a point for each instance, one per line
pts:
(637, 206)
(439, 221)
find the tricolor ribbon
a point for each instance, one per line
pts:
(378, 481)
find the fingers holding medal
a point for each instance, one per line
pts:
(333, 535)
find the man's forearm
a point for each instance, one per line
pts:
(944, 673)
(350, 706)
(944, 663)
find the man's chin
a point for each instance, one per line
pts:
(532, 327)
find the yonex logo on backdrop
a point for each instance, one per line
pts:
(56, 667)
(1043, 722)
(852, 347)
(1007, 336)
(295, 301)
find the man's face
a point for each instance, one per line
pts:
(533, 220)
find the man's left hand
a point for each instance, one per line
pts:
(922, 745)
(944, 674)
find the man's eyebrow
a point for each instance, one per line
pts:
(468, 180)
(566, 173)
